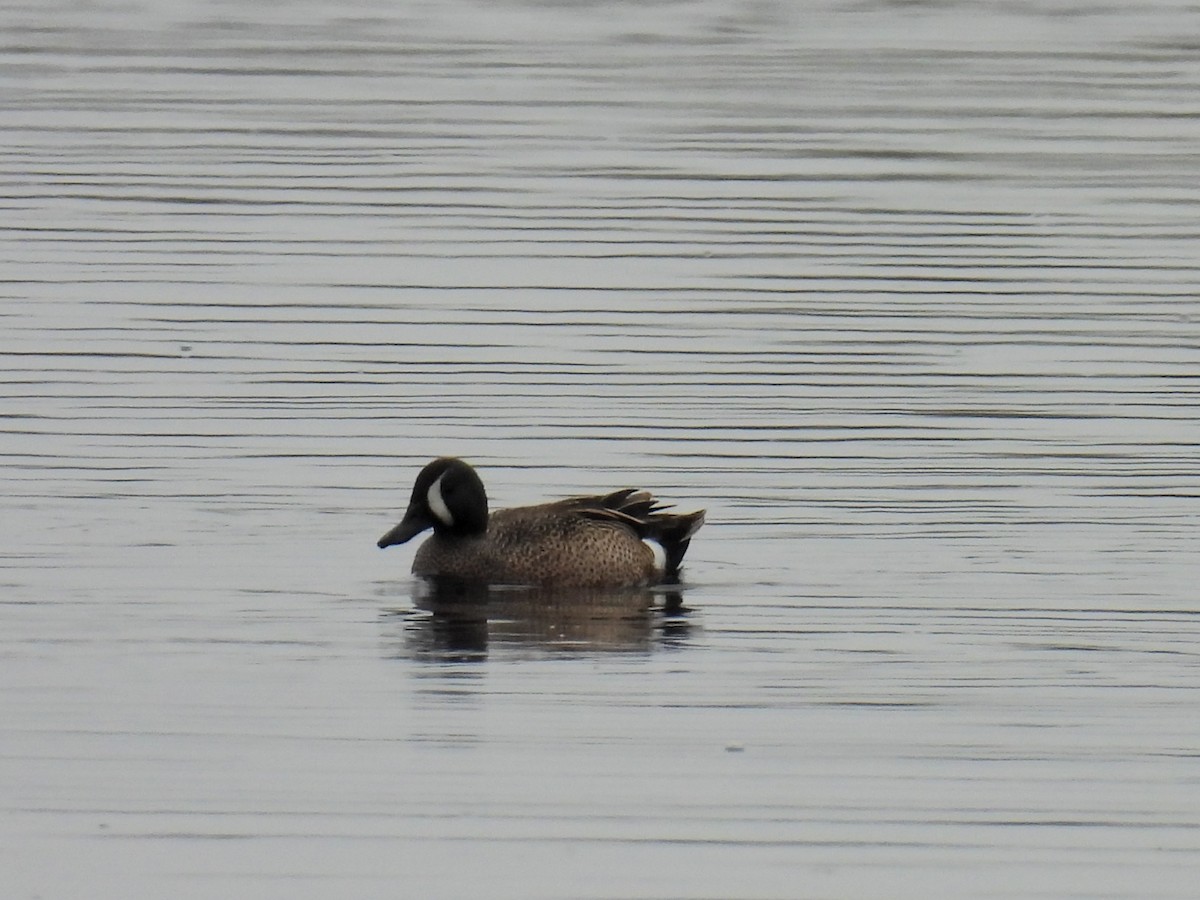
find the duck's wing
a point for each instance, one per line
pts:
(630, 507)
(637, 513)
(640, 512)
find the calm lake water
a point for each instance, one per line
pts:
(904, 294)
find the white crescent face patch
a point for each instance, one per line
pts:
(437, 505)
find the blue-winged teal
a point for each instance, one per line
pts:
(621, 539)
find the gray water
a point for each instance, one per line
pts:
(904, 294)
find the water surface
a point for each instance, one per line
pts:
(903, 294)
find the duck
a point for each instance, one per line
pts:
(621, 539)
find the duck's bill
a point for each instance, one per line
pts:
(410, 526)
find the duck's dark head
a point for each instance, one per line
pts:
(449, 498)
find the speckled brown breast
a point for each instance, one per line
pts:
(541, 545)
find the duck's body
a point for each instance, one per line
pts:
(615, 540)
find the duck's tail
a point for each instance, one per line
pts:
(674, 532)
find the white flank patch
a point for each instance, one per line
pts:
(660, 555)
(437, 505)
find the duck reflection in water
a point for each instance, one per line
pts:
(592, 570)
(457, 620)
